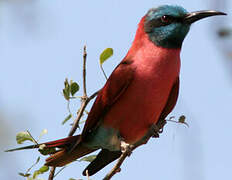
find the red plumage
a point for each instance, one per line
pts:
(142, 89)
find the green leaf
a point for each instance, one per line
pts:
(24, 136)
(66, 90)
(66, 84)
(24, 175)
(35, 174)
(74, 88)
(107, 53)
(43, 132)
(42, 170)
(37, 160)
(66, 94)
(182, 119)
(66, 119)
(88, 158)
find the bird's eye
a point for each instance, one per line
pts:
(166, 19)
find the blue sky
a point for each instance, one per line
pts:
(41, 44)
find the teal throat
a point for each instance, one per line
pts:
(171, 36)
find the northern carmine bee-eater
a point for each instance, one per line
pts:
(141, 90)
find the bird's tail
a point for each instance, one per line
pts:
(60, 143)
(62, 156)
(65, 156)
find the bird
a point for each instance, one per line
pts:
(141, 91)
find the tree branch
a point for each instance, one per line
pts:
(154, 131)
(85, 99)
(52, 172)
(84, 72)
(84, 102)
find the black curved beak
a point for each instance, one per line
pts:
(197, 15)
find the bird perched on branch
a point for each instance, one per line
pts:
(141, 91)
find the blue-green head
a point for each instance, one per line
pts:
(168, 25)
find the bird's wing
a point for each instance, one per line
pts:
(171, 102)
(105, 156)
(115, 86)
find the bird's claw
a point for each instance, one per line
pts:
(155, 131)
(126, 148)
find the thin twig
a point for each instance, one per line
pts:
(60, 171)
(85, 98)
(68, 107)
(103, 71)
(177, 122)
(153, 132)
(32, 165)
(84, 103)
(32, 137)
(52, 172)
(84, 72)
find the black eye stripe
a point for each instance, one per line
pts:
(149, 25)
(166, 18)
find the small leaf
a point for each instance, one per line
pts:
(66, 90)
(24, 175)
(107, 53)
(37, 160)
(182, 120)
(66, 119)
(24, 136)
(42, 170)
(88, 158)
(74, 88)
(66, 84)
(43, 132)
(66, 94)
(35, 174)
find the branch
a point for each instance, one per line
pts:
(154, 131)
(52, 172)
(85, 98)
(84, 103)
(84, 72)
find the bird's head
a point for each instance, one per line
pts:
(167, 25)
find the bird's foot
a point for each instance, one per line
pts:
(126, 148)
(155, 130)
